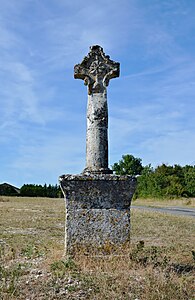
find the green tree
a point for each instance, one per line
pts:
(189, 177)
(162, 182)
(128, 165)
(170, 180)
(145, 183)
(37, 190)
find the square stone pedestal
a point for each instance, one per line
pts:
(97, 210)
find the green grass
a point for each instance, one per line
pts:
(159, 264)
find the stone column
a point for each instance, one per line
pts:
(96, 70)
(97, 134)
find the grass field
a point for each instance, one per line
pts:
(185, 202)
(158, 265)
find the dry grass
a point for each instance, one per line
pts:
(37, 221)
(158, 265)
(182, 202)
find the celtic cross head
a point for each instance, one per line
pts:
(96, 70)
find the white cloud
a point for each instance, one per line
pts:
(151, 106)
(155, 119)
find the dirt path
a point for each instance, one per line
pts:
(189, 212)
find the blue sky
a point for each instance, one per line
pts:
(43, 108)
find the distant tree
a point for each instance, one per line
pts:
(164, 181)
(128, 165)
(27, 190)
(37, 190)
(189, 177)
(170, 180)
(145, 183)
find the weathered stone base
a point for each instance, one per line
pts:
(97, 210)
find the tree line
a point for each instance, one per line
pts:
(38, 190)
(164, 181)
(160, 182)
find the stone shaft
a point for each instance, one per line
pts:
(97, 134)
(96, 70)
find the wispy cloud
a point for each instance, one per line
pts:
(48, 157)
(43, 110)
(155, 118)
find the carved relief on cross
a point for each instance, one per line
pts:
(96, 70)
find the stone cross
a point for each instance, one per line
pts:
(97, 202)
(96, 70)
